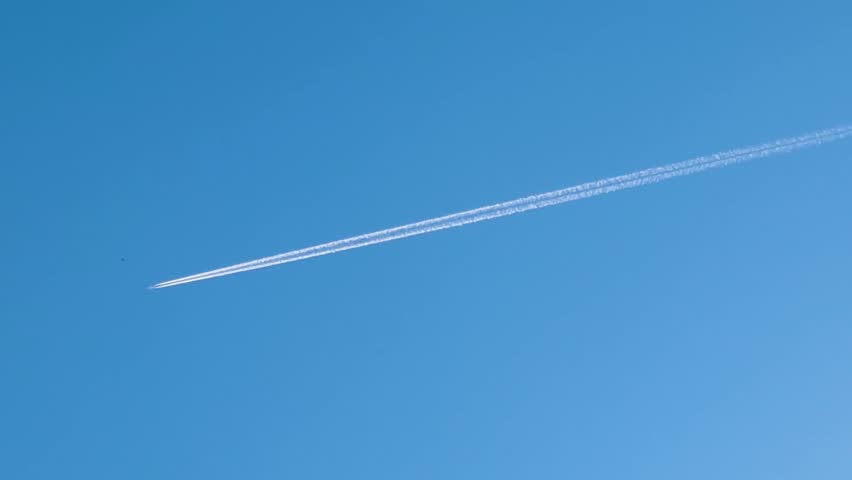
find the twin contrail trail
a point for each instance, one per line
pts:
(586, 190)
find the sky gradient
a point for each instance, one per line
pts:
(699, 328)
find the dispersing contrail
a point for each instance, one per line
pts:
(586, 190)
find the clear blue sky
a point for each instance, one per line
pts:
(696, 329)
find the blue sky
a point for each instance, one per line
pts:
(694, 329)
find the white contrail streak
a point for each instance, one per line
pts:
(586, 190)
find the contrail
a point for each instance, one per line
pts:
(586, 190)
